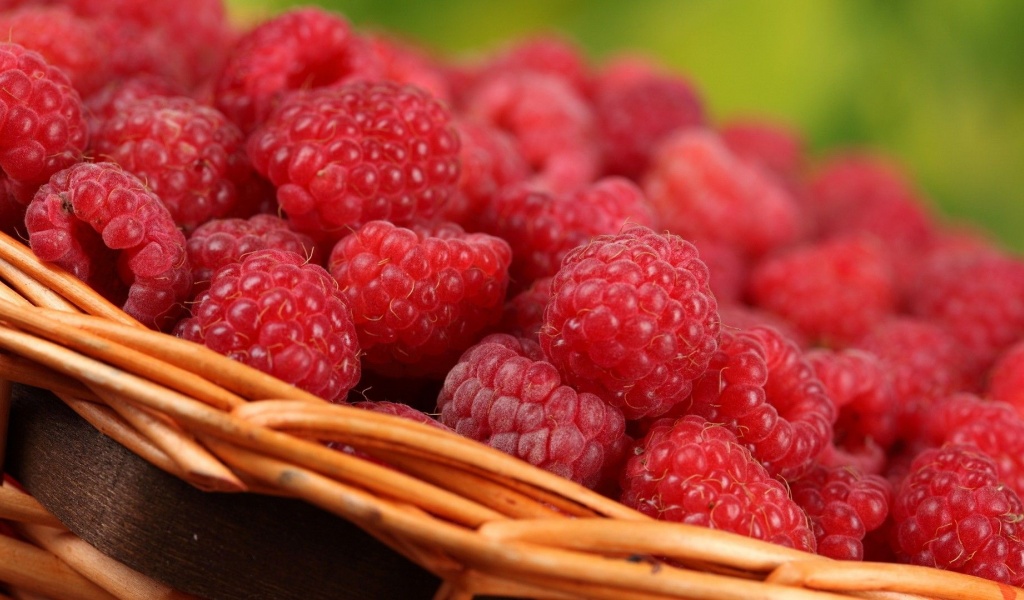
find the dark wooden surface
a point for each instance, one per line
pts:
(216, 546)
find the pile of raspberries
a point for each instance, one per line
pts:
(571, 262)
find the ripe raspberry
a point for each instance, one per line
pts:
(110, 100)
(354, 153)
(843, 505)
(421, 296)
(408, 64)
(632, 319)
(524, 313)
(738, 317)
(190, 155)
(301, 48)
(276, 313)
(1006, 377)
(552, 124)
(43, 130)
(976, 296)
(398, 409)
(775, 147)
(923, 362)
(701, 190)
(637, 106)
(695, 472)
(546, 54)
(542, 227)
(504, 394)
(104, 225)
(833, 290)
(952, 512)
(219, 242)
(762, 388)
(729, 267)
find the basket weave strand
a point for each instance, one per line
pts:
(483, 521)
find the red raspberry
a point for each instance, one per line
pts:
(843, 505)
(632, 319)
(422, 296)
(405, 63)
(364, 151)
(701, 190)
(64, 39)
(952, 512)
(524, 313)
(696, 472)
(113, 98)
(775, 147)
(43, 130)
(637, 106)
(545, 54)
(398, 409)
(104, 225)
(833, 290)
(504, 394)
(552, 124)
(762, 388)
(730, 269)
(219, 242)
(297, 49)
(283, 316)
(977, 297)
(923, 362)
(190, 155)
(739, 317)
(1006, 378)
(542, 227)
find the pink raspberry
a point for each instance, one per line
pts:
(219, 242)
(301, 48)
(833, 290)
(524, 312)
(503, 393)
(43, 130)
(551, 123)
(421, 296)
(637, 106)
(843, 505)
(1005, 380)
(403, 62)
(107, 228)
(952, 512)
(701, 190)
(354, 153)
(696, 472)
(283, 316)
(774, 146)
(632, 319)
(760, 386)
(976, 296)
(542, 227)
(190, 155)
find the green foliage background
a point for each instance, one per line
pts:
(936, 84)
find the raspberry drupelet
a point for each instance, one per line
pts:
(348, 154)
(107, 228)
(283, 316)
(952, 512)
(420, 296)
(632, 319)
(695, 472)
(503, 393)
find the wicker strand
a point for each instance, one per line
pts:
(21, 508)
(30, 373)
(31, 568)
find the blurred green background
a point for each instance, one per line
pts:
(936, 84)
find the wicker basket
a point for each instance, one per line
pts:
(483, 522)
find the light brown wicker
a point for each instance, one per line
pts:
(484, 522)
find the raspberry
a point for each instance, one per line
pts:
(398, 409)
(976, 296)
(775, 147)
(738, 317)
(300, 48)
(696, 472)
(834, 290)
(219, 242)
(190, 155)
(64, 39)
(408, 64)
(729, 269)
(504, 394)
(952, 512)
(276, 313)
(843, 505)
(43, 130)
(632, 319)
(359, 152)
(637, 106)
(421, 296)
(762, 388)
(542, 227)
(104, 225)
(552, 124)
(1006, 378)
(544, 54)
(524, 312)
(113, 98)
(701, 190)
